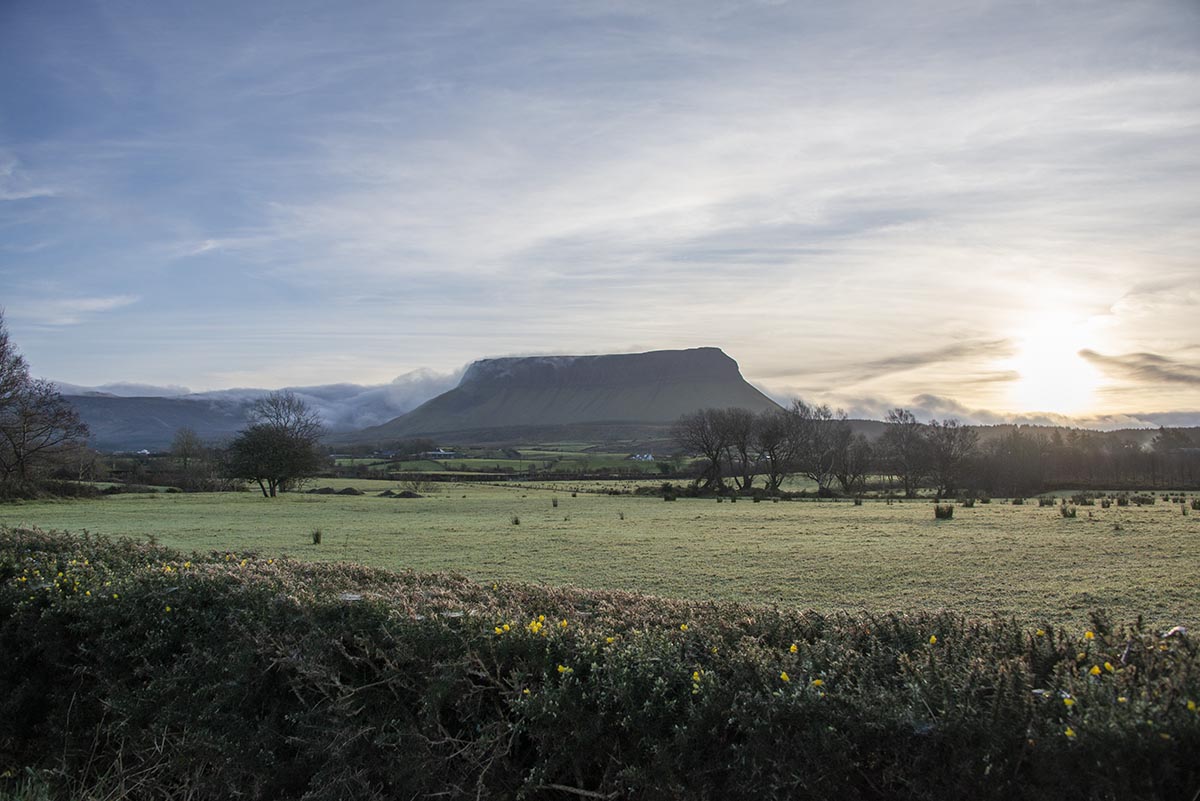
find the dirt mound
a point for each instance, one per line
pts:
(351, 491)
(322, 491)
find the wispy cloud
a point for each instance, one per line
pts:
(1145, 367)
(69, 311)
(16, 184)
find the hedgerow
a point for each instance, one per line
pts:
(134, 671)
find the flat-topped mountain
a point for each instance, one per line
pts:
(652, 388)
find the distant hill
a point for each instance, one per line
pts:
(133, 417)
(545, 392)
(118, 423)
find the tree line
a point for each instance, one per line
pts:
(277, 451)
(738, 450)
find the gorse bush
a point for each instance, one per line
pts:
(943, 511)
(159, 675)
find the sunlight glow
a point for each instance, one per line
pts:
(1053, 377)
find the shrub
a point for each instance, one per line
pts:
(1067, 511)
(1122, 500)
(276, 680)
(67, 489)
(316, 536)
(968, 503)
(943, 511)
(1196, 504)
(1045, 501)
(120, 489)
(516, 520)
(1018, 501)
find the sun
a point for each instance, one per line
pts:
(1051, 375)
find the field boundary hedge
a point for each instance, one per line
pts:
(135, 671)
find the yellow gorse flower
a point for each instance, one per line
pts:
(562, 624)
(818, 683)
(784, 676)
(1069, 732)
(1191, 705)
(1069, 702)
(1108, 666)
(1095, 671)
(1041, 632)
(683, 626)
(793, 649)
(1087, 635)
(933, 639)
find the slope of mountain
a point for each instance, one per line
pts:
(129, 418)
(118, 423)
(652, 388)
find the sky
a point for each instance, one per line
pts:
(986, 210)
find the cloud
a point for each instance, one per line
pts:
(1145, 367)
(125, 389)
(16, 184)
(344, 407)
(947, 353)
(849, 192)
(70, 311)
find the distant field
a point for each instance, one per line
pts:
(567, 458)
(1025, 561)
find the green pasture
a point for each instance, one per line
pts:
(1025, 561)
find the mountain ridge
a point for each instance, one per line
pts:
(652, 388)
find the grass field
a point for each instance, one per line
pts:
(1025, 561)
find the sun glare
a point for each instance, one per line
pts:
(1053, 377)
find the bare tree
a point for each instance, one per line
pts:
(853, 459)
(950, 447)
(813, 431)
(34, 427)
(906, 449)
(186, 447)
(773, 446)
(741, 461)
(36, 423)
(701, 433)
(287, 412)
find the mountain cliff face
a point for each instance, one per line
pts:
(643, 388)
